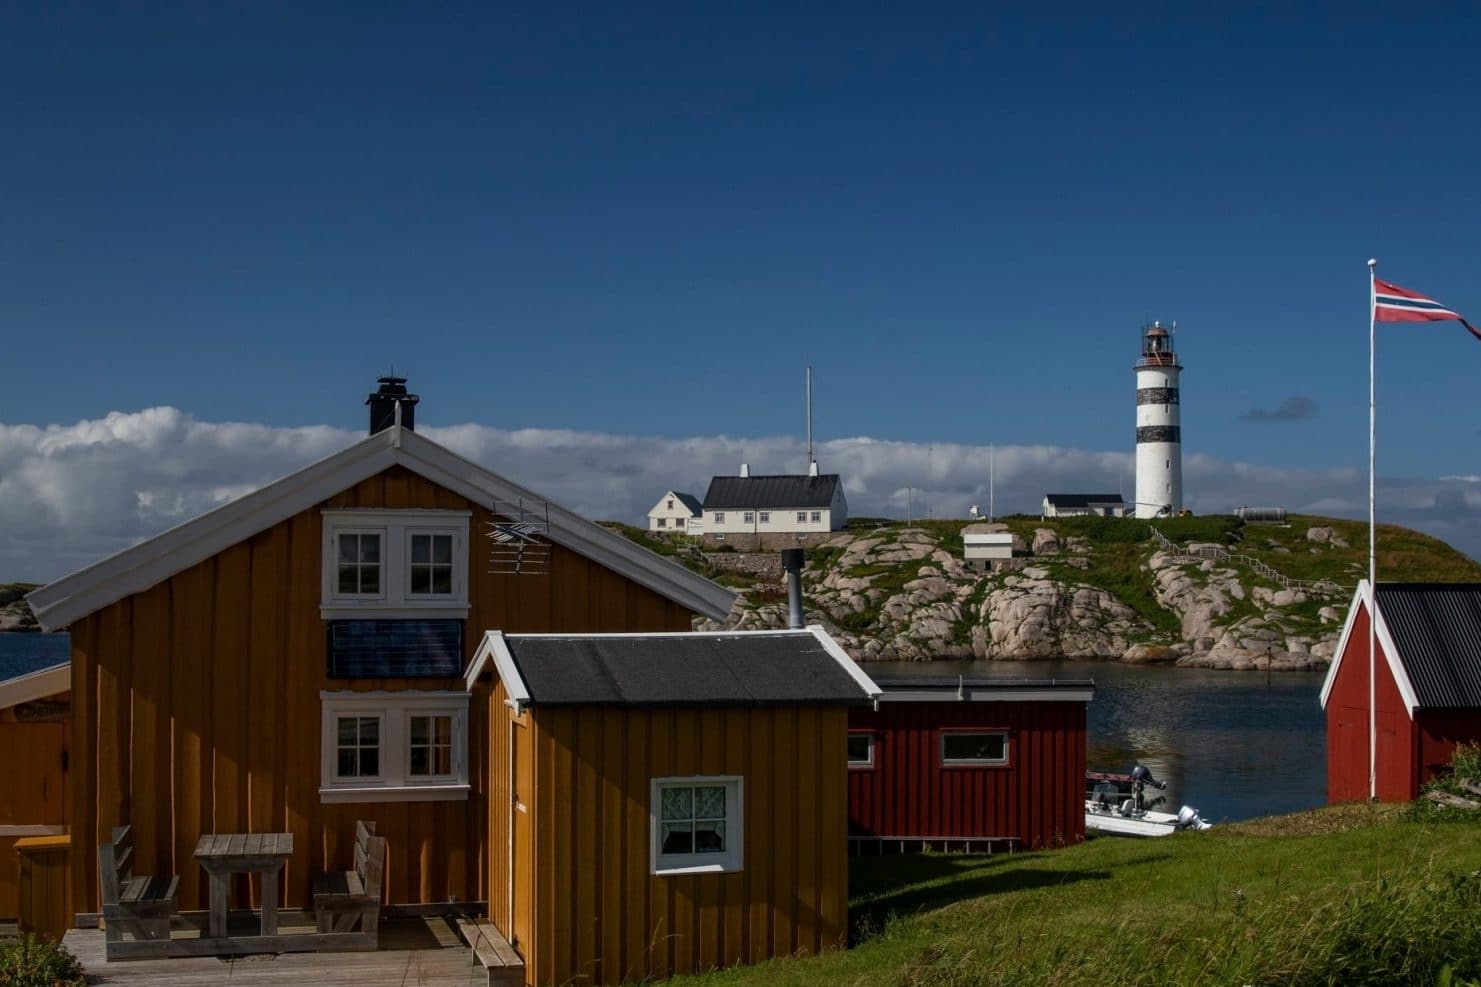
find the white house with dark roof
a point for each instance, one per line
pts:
(785, 507)
(1084, 505)
(675, 511)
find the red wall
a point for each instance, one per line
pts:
(1439, 731)
(1347, 728)
(1037, 798)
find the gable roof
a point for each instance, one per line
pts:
(726, 668)
(1430, 636)
(779, 491)
(687, 499)
(1081, 500)
(144, 565)
(36, 684)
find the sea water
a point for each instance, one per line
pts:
(1234, 745)
(22, 653)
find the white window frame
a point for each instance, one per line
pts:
(748, 517)
(673, 864)
(868, 763)
(332, 750)
(802, 517)
(395, 782)
(663, 522)
(817, 517)
(395, 599)
(973, 761)
(764, 517)
(719, 517)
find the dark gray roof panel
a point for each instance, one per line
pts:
(690, 501)
(1082, 500)
(936, 683)
(1437, 630)
(770, 492)
(669, 670)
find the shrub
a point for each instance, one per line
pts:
(32, 962)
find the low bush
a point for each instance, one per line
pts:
(32, 962)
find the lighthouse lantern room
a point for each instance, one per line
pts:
(1159, 440)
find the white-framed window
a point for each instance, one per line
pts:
(394, 746)
(719, 517)
(860, 749)
(817, 517)
(749, 517)
(974, 747)
(395, 563)
(802, 517)
(696, 825)
(671, 503)
(766, 517)
(663, 522)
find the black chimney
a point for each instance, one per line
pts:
(383, 405)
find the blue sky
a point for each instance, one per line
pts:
(644, 220)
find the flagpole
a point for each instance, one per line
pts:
(1372, 536)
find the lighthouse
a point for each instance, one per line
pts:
(1159, 439)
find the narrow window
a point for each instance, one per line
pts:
(802, 517)
(749, 517)
(719, 517)
(817, 517)
(431, 746)
(358, 569)
(431, 565)
(974, 748)
(860, 749)
(358, 747)
(671, 504)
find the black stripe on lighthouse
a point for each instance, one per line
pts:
(1159, 433)
(1157, 395)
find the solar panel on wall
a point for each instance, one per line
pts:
(395, 649)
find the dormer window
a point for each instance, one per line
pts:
(395, 564)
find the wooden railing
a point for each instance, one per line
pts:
(1323, 587)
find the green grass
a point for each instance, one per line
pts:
(1403, 555)
(1353, 894)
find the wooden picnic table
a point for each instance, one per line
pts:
(224, 854)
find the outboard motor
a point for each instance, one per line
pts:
(1188, 818)
(1142, 775)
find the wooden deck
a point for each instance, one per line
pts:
(425, 951)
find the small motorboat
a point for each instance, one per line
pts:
(1116, 804)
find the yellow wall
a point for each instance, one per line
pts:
(196, 706)
(598, 912)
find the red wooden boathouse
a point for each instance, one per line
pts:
(969, 763)
(1427, 686)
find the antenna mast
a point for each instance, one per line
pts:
(809, 414)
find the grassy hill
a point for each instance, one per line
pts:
(904, 591)
(1354, 894)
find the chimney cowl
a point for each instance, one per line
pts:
(745, 469)
(383, 403)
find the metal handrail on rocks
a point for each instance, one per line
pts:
(1217, 554)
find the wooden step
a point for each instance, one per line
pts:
(504, 965)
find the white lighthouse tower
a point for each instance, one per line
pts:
(1159, 439)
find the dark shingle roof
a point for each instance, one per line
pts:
(770, 492)
(690, 501)
(683, 669)
(1436, 628)
(1081, 500)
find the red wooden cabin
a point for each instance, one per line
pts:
(969, 763)
(1427, 685)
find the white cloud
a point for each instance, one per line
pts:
(71, 494)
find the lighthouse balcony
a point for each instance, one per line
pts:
(1158, 360)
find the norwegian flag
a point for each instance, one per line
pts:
(1394, 304)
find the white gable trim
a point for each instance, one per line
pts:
(845, 662)
(36, 685)
(495, 648)
(1385, 641)
(150, 562)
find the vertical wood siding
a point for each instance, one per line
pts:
(600, 916)
(33, 789)
(1347, 728)
(196, 706)
(1037, 798)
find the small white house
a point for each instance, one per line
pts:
(777, 505)
(675, 511)
(1084, 505)
(984, 544)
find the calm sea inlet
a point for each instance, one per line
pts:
(1235, 745)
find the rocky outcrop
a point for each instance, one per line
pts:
(895, 594)
(15, 612)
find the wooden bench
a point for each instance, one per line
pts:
(345, 899)
(138, 904)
